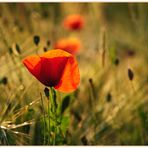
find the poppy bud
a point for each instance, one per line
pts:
(116, 62)
(48, 43)
(10, 50)
(84, 140)
(36, 39)
(130, 74)
(109, 97)
(4, 80)
(90, 80)
(17, 47)
(45, 49)
(46, 91)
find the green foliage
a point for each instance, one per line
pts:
(64, 124)
(65, 103)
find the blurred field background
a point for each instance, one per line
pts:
(108, 108)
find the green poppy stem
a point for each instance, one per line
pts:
(46, 91)
(52, 114)
(53, 104)
(48, 121)
(43, 119)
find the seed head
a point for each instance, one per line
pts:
(4, 80)
(48, 43)
(17, 47)
(46, 91)
(36, 39)
(130, 74)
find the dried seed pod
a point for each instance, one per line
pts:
(45, 49)
(4, 80)
(36, 39)
(84, 140)
(109, 97)
(90, 80)
(17, 47)
(48, 43)
(10, 50)
(116, 61)
(130, 74)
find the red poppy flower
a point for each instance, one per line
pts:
(55, 68)
(71, 45)
(74, 22)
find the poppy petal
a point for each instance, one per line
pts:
(33, 64)
(70, 78)
(55, 68)
(55, 53)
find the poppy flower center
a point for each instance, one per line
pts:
(52, 70)
(76, 25)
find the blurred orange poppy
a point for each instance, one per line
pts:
(74, 22)
(55, 68)
(71, 45)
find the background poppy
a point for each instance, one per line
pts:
(74, 22)
(71, 45)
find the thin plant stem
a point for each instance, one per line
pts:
(48, 121)
(54, 114)
(133, 88)
(36, 50)
(46, 91)
(44, 142)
